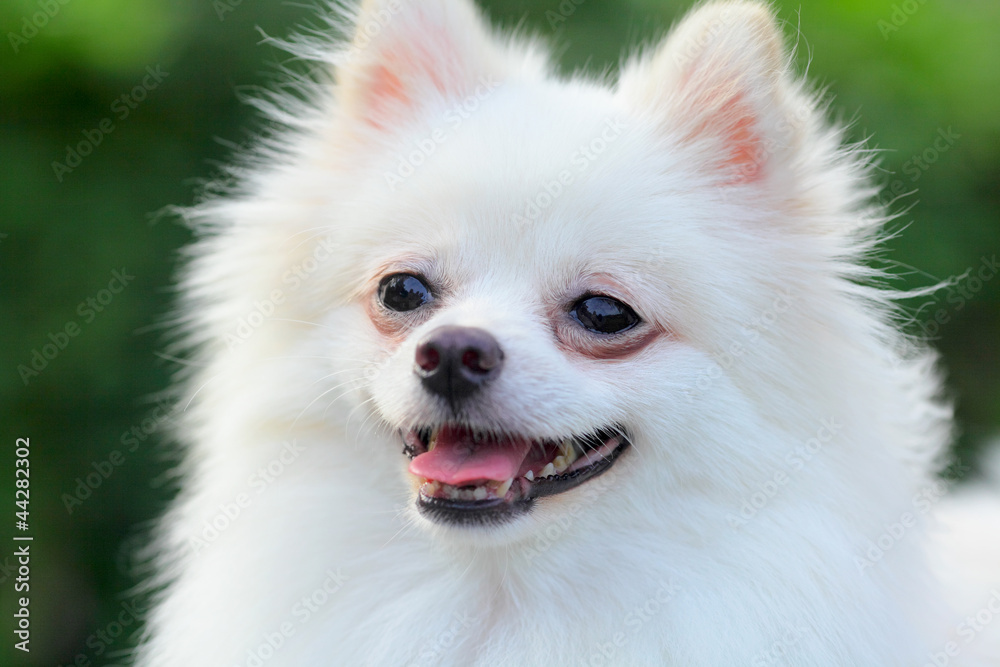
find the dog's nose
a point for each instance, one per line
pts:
(453, 362)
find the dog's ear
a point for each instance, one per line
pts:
(721, 83)
(408, 54)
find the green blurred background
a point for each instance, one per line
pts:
(920, 79)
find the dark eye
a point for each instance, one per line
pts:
(403, 291)
(602, 314)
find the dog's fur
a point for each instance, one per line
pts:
(780, 422)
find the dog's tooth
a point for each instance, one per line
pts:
(565, 447)
(479, 493)
(548, 470)
(572, 455)
(530, 476)
(504, 487)
(560, 463)
(433, 439)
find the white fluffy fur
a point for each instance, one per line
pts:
(762, 253)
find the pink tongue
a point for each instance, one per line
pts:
(458, 461)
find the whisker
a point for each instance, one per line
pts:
(312, 402)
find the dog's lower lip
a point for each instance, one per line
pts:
(547, 486)
(461, 505)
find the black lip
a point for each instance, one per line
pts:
(549, 486)
(472, 512)
(496, 511)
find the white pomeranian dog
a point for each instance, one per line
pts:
(500, 368)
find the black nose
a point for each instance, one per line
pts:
(453, 362)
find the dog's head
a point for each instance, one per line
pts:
(536, 281)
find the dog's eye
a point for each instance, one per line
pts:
(602, 314)
(403, 291)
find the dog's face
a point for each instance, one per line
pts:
(538, 277)
(517, 347)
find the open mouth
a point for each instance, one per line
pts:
(471, 477)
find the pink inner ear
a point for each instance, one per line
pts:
(394, 81)
(745, 153)
(386, 91)
(733, 122)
